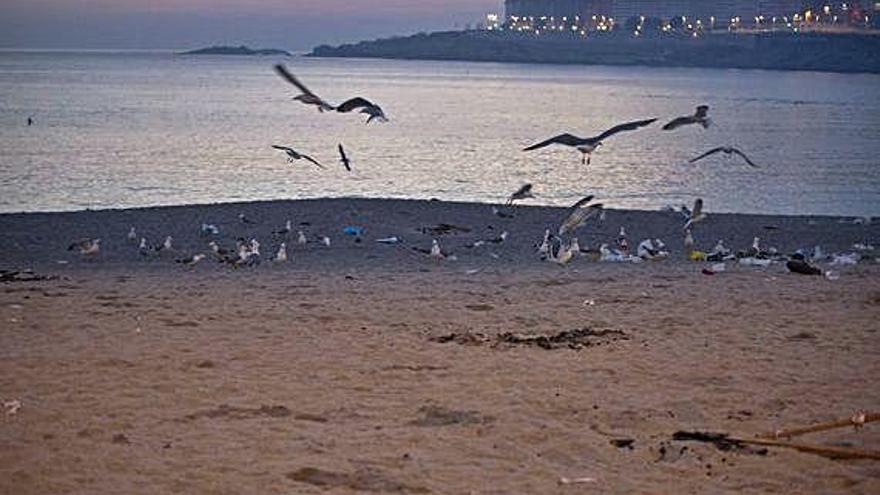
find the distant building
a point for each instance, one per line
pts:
(557, 8)
(721, 10)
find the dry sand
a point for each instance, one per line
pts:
(330, 375)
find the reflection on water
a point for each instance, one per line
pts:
(119, 130)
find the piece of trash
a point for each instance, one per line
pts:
(472, 272)
(846, 259)
(389, 240)
(12, 407)
(353, 230)
(832, 275)
(210, 229)
(698, 256)
(751, 261)
(802, 267)
(575, 481)
(590, 302)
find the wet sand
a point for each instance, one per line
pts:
(333, 373)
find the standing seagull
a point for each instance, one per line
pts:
(729, 150)
(307, 97)
(588, 145)
(701, 116)
(524, 192)
(292, 155)
(366, 106)
(344, 158)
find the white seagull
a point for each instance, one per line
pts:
(696, 215)
(281, 256)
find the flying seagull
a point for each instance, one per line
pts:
(588, 145)
(523, 192)
(307, 97)
(729, 150)
(701, 116)
(344, 158)
(367, 107)
(696, 215)
(292, 155)
(577, 218)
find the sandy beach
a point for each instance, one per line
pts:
(368, 367)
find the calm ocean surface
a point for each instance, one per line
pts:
(143, 129)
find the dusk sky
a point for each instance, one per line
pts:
(291, 24)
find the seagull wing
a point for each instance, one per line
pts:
(566, 139)
(525, 189)
(698, 208)
(578, 218)
(676, 123)
(629, 126)
(344, 158)
(744, 157)
(582, 202)
(284, 73)
(708, 153)
(353, 104)
(282, 148)
(307, 157)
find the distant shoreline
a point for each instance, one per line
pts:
(843, 53)
(237, 50)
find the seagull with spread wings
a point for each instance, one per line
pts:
(588, 145)
(696, 215)
(292, 155)
(728, 150)
(366, 106)
(701, 116)
(307, 97)
(581, 212)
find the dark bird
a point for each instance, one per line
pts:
(701, 116)
(523, 192)
(588, 145)
(292, 155)
(245, 219)
(367, 107)
(729, 150)
(30, 121)
(344, 158)
(307, 97)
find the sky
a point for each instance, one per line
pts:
(178, 24)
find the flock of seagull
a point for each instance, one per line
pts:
(561, 246)
(587, 146)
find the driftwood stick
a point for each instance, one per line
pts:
(856, 420)
(824, 451)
